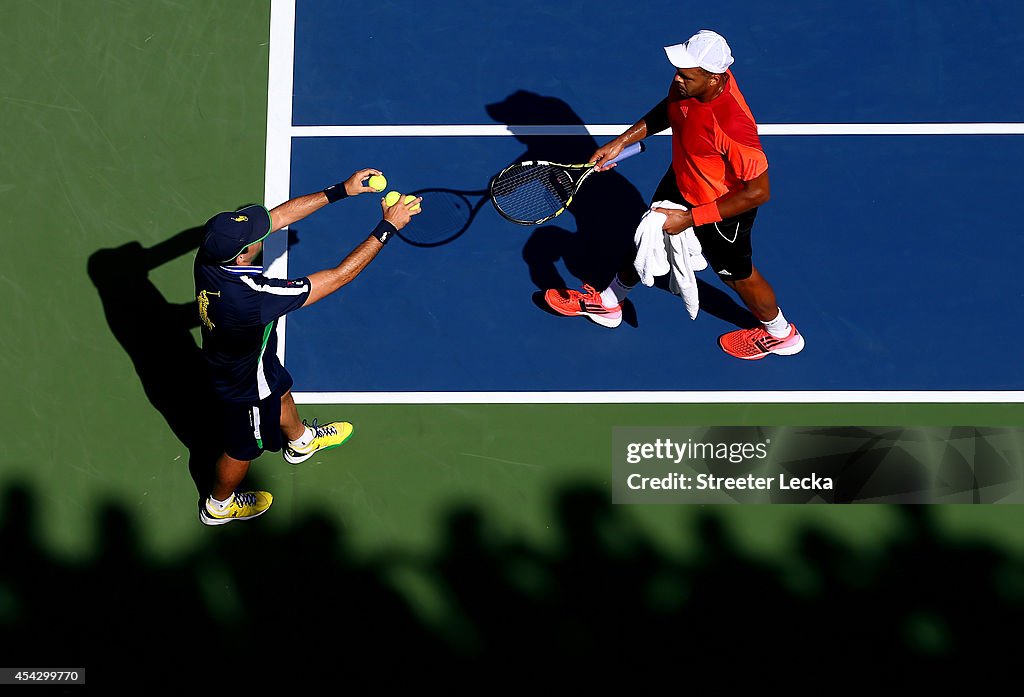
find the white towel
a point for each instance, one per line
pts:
(659, 253)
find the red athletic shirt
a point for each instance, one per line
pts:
(714, 148)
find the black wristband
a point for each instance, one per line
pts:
(335, 192)
(384, 231)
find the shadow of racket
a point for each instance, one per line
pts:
(447, 213)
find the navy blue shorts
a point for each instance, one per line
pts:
(249, 429)
(726, 244)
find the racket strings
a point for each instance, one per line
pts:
(532, 192)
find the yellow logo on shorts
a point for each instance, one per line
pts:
(240, 219)
(204, 307)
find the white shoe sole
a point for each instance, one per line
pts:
(791, 350)
(604, 320)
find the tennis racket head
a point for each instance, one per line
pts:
(535, 191)
(447, 213)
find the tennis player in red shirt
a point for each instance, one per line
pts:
(720, 173)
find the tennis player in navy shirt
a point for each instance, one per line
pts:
(239, 308)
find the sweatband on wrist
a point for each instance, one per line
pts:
(335, 192)
(705, 214)
(384, 231)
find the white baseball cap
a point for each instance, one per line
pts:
(705, 49)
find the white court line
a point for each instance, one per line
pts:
(277, 178)
(768, 129)
(723, 397)
(280, 133)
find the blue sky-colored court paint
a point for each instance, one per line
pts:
(882, 249)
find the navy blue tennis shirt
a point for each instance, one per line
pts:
(239, 309)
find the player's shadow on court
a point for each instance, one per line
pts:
(606, 212)
(157, 336)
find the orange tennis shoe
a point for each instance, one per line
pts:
(754, 344)
(573, 303)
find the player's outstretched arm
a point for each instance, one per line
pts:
(296, 209)
(650, 124)
(396, 217)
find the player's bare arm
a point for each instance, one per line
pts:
(323, 283)
(611, 150)
(296, 209)
(751, 195)
(653, 121)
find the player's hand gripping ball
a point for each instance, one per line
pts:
(377, 182)
(393, 196)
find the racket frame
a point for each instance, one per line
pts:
(629, 151)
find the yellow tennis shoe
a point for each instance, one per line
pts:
(325, 437)
(244, 505)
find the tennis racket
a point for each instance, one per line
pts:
(447, 213)
(534, 192)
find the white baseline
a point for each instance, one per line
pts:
(767, 129)
(663, 397)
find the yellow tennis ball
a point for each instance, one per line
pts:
(408, 198)
(377, 182)
(392, 198)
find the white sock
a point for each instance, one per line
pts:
(305, 439)
(615, 293)
(219, 505)
(778, 327)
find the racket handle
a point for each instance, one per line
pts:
(628, 151)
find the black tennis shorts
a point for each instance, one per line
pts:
(726, 244)
(249, 429)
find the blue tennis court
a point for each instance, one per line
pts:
(881, 248)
